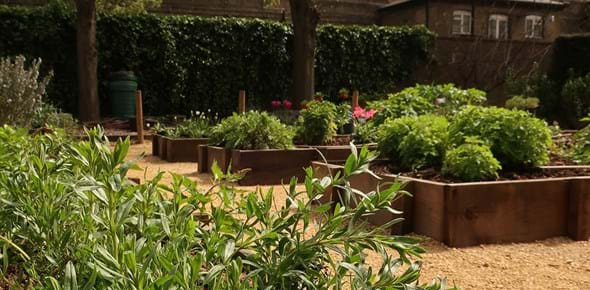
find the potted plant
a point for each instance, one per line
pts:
(483, 177)
(260, 143)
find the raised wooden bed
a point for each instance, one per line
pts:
(162, 147)
(265, 166)
(183, 149)
(336, 152)
(468, 214)
(155, 145)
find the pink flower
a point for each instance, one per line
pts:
(287, 104)
(360, 113)
(275, 104)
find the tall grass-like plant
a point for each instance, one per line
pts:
(21, 90)
(70, 219)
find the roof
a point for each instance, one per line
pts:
(396, 3)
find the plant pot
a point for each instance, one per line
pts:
(184, 149)
(474, 213)
(162, 147)
(272, 166)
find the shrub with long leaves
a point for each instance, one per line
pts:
(72, 220)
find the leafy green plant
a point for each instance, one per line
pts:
(21, 90)
(445, 100)
(252, 130)
(516, 138)
(199, 125)
(414, 142)
(71, 219)
(48, 115)
(581, 146)
(317, 123)
(365, 133)
(522, 103)
(472, 161)
(343, 116)
(575, 94)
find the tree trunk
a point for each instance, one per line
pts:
(305, 19)
(88, 103)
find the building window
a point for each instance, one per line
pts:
(533, 26)
(462, 22)
(498, 26)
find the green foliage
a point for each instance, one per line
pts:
(472, 161)
(194, 63)
(199, 125)
(575, 95)
(72, 220)
(48, 115)
(425, 99)
(414, 142)
(516, 138)
(343, 115)
(21, 90)
(522, 103)
(252, 130)
(317, 123)
(365, 133)
(581, 146)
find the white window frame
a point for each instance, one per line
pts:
(464, 17)
(494, 21)
(536, 28)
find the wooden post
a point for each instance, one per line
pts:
(242, 102)
(355, 99)
(139, 116)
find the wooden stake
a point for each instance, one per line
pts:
(139, 116)
(242, 102)
(355, 99)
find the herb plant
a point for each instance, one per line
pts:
(317, 123)
(414, 142)
(472, 161)
(517, 139)
(71, 219)
(252, 130)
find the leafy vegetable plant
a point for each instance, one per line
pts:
(472, 161)
(252, 130)
(317, 123)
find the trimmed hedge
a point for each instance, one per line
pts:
(192, 63)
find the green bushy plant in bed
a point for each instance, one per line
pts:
(252, 130)
(414, 142)
(516, 138)
(472, 161)
(444, 100)
(317, 122)
(70, 219)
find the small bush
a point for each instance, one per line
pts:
(48, 115)
(252, 130)
(471, 162)
(581, 146)
(365, 133)
(425, 99)
(199, 125)
(21, 90)
(317, 123)
(522, 103)
(516, 138)
(414, 142)
(575, 96)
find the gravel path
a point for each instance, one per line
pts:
(558, 263)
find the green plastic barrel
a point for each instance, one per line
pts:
(122, 89)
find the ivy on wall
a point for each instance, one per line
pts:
(194, 63)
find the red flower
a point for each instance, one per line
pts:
(275, 104)
(360, 113)
(287, 104)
